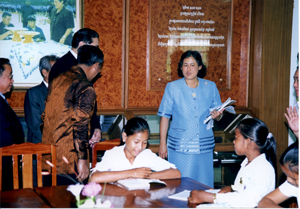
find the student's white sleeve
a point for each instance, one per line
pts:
(157, 163)
(288, 189)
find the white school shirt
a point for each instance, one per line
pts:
(289, 190)
(115, 160)
(251, 184)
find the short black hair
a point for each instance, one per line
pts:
(3, 61)
(45, 63)
(90, 55)
(197, 56)
(5, 14)
(31, 18)
(86, 35)
(291, 157)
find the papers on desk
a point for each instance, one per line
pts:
(225, 105)
(135, 184)
(181, 195)
(186, 193)
(217, 205)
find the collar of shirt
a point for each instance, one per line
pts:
(46, 84)
(2, 96)
(258, 158)
(73, 53)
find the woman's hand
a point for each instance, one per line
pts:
(162, 151)
(217, 114)
(142, 173)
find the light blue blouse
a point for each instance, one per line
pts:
(189, 108)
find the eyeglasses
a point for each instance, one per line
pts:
(9, 76)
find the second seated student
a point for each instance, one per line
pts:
(289, 162)
(189, 145)
(256, 177)
(133, 160)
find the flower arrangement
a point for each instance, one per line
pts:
(90, 190)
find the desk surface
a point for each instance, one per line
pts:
(21, 198)
(59, 197)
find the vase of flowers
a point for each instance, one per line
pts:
(89, 190)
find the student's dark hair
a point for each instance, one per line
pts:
(290, 157)
(5, 14)
(45, 63)
(257, 131)
(135, 125)
(196, 55)
(3, 61)
(86, 35)
(90, 55)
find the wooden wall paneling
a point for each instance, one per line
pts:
(273, 27)
(107, 18)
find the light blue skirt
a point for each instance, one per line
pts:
(199, 167)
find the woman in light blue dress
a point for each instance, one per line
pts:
(190, 145)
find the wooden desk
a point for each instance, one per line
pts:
(59, 197)
(21, 198)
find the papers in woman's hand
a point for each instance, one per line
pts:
(226, 106)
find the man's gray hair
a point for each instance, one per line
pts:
(45, 63)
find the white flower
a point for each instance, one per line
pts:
(75, 189)
(89, 203)
(105, 204)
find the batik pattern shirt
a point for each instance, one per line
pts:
(69, 106)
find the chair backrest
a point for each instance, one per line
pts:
(102, 146)
(26, 150)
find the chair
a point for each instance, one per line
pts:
(26, 150)
(102, 146)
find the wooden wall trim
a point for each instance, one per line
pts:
(269, 67)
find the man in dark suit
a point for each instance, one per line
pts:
(84, 36)
(34, 103)
(11, 131)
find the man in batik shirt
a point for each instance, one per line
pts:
(69, 106)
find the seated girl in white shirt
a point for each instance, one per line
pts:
(289, 165)
(133, 160)
(256, 177)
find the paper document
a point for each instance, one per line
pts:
(213, 190)
(181, 195)
(225, 105)
(134, 184)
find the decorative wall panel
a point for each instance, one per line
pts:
(140, 96)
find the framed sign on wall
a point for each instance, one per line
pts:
(176, 26)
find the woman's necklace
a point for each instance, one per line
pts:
(194, 94)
